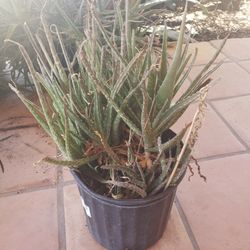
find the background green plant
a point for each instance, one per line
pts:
(63, 13)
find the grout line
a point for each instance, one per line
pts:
(232, 59)
(60, 211)
(225, 155)
(229, 126)
(247, 70)
(27, 190)
(33, 148)
(186, 224)
(244, 60)
(68, 183)
(222, 52)
(204, 64)
(228, 97)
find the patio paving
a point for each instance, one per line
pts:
(40, 206)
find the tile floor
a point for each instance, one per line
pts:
(40, 208)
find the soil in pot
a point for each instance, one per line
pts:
(93, 176)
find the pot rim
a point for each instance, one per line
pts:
(124, 202)
(129, 202)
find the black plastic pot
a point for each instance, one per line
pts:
(134, 224)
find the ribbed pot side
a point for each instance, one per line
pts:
(132, 224)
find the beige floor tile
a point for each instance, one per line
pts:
(218, 210)
(29, 221)
(236, 112)
(236, 48)
(24, 148)
(18, 155)
(229, 80)
(78, 237)
(11, 106)
(214, 137)
(205, 52)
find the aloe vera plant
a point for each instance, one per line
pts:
(109, 107)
